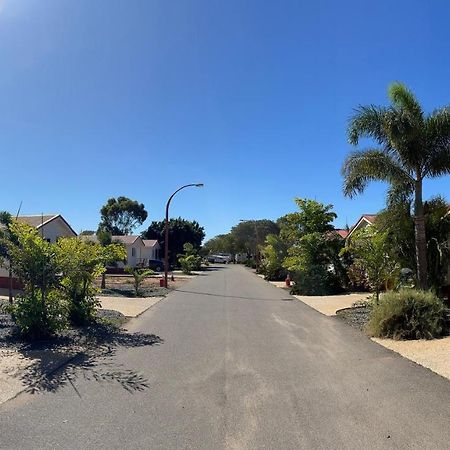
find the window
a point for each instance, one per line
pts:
(133, 251)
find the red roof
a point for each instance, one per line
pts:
(342, 233)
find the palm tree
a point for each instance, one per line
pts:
(411, 146)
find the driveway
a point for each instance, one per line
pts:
(239, 365)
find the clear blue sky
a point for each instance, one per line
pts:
(105, 98)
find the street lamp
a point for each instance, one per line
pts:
(166, 230)
(256, 238)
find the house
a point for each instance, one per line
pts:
(51, 226)
(139, 251)
(363, 222)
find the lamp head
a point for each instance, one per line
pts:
(199, 185)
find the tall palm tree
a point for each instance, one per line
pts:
(411, 146)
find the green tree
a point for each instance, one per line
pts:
(371, 251)
(274, 252)
(121, 216)
(437, 223)
(248, 235)
(181, 231)
(313, 254)
(412, 146)
(398, 222)
(189, 260)
(223, 243)
(40, 310)
(81, 262)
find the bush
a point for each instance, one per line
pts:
(190, 260)
(315, 280)
(39, 319)
(408, 314)
(139, 276)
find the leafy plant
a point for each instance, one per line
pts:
(373, 261)
(37, 319)
(81, 262)
(408, 314)
(139, 275)
(190, 260)
(40, 311)
(273, 254)
(313, 249)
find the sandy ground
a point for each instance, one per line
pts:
(12, 364)
(329, 304)
(433, 354)
(19, 369)
(129, 307)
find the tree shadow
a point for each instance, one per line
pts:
(89, 352)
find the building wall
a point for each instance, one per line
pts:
(151, 252)
(56, 229)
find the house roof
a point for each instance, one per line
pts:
(39, 220)
(131, 239)
(150, 242)
(337, 232)
(342, 233)
(368, 218)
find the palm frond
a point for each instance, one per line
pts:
(402, 98)
(361, 167)
(437, 128)
(367, 121)
(399, 194)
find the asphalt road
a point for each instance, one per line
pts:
(239, 367)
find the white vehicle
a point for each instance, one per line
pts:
(220, 259)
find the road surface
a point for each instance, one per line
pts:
(240, 366)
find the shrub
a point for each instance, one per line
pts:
(315, 280)
(190, 260)
(41, 311)
(408, 314)
(81, 262)
(139, 275)
(39, 319)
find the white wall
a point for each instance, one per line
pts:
(55, 229)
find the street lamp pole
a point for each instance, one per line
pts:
(166, 230)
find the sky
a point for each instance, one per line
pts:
(252, 98)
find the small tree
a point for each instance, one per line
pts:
(40, 310)
(313, 248)
(371, 251)
(190, 260)
(82, 262)
(274, 252)
(139, 276)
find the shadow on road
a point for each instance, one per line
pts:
(88, 353)
(237, 296)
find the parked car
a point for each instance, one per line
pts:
(156, 264)
(221, 259)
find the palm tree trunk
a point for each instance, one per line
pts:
(420, 235)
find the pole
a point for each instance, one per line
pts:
(166, 230)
